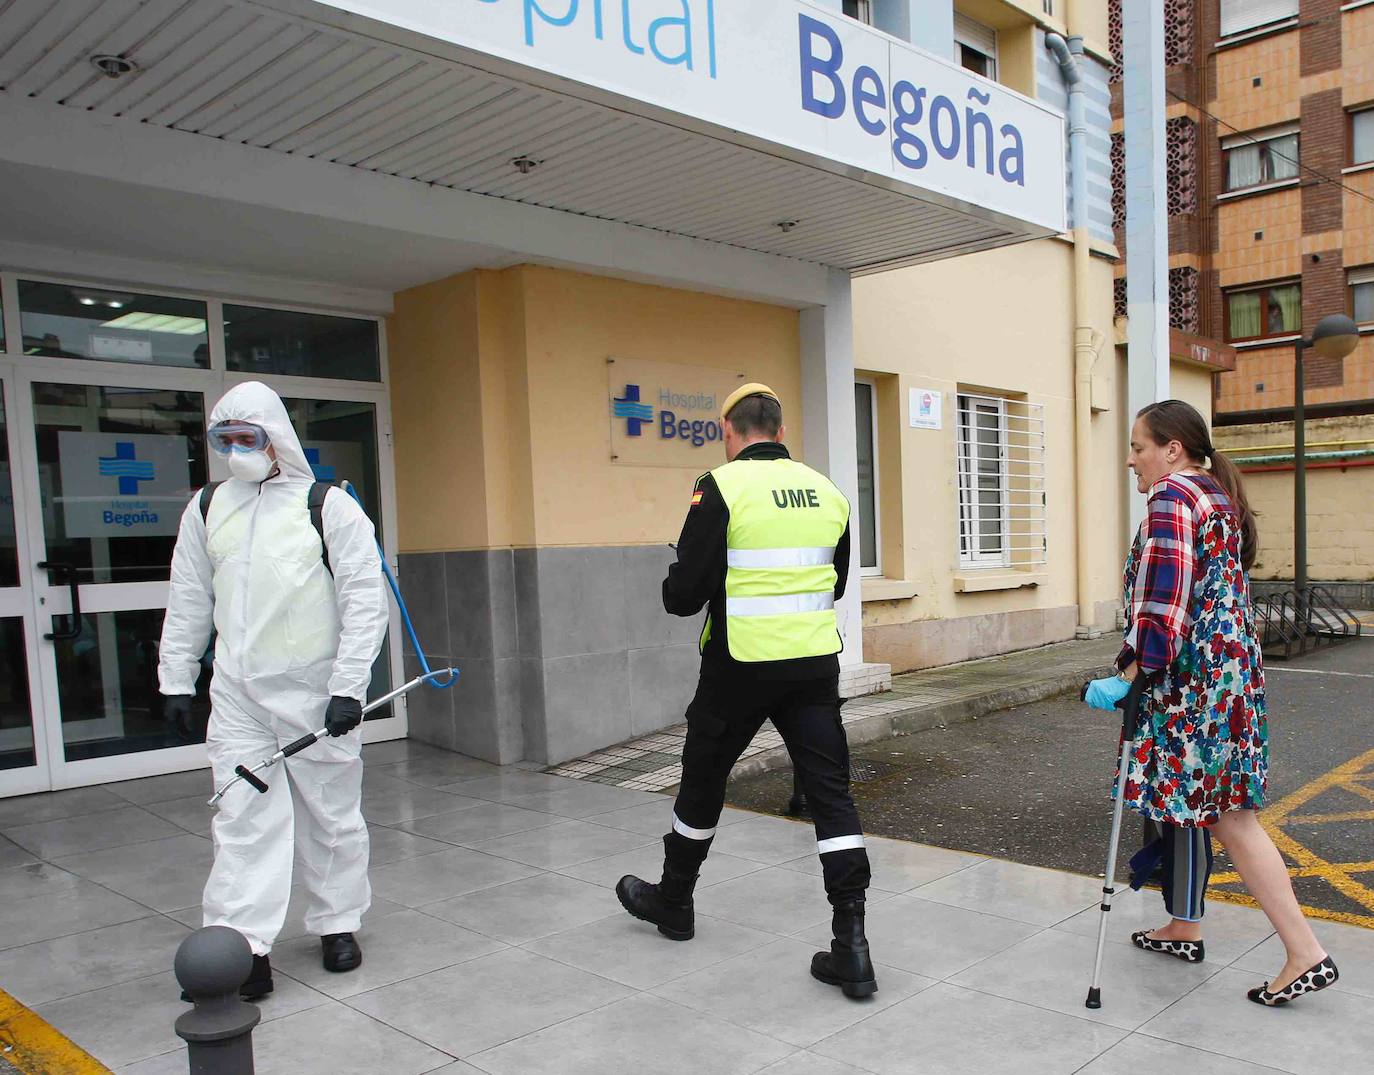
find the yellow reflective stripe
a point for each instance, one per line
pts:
(818, 556)
(779, 605)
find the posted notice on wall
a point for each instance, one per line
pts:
(925, 408)
(122, 484)
(665, 414)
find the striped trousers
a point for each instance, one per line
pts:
(1181, 860)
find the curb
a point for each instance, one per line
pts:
(922, 718)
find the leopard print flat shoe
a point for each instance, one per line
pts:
(1316, 979)
(1188, 951)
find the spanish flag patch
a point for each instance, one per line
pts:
(696, 498)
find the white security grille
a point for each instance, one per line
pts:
(1001, 465)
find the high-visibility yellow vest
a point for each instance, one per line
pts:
(785, 521)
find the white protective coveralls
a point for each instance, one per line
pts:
(289, 637)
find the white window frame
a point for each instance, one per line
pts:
(1258, 138)
(972, 34)
(1021, 483)
(970, 519)
(1356, 113)
(1243, 16)
(856, 542)
(863, 12)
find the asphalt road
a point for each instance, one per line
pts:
(1032, 784)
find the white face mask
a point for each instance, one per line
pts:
(250, 466)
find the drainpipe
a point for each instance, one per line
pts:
(1087, 341)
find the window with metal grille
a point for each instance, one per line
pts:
(975, 46)
(1001, 469)
(1238, 16)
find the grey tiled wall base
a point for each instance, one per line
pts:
(562, 650)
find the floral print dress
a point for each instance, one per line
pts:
(1201, 747)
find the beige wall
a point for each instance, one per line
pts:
(1340, 500)
(1000, 321)
(501, 412)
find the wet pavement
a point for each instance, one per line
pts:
(1031, 783)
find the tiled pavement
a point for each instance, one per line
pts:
(495, 945)
(917, 700)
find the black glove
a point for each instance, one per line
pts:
(343, 715)
(177, 708)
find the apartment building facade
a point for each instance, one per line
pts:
(1271, 194)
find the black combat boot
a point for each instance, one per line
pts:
(668, 904)
(847, 964)
(340, 952)
(258, 985)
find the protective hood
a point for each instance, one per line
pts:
(254, 402)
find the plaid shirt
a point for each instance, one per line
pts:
(1157, 616)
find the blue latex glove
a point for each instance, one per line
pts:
(1105, 693)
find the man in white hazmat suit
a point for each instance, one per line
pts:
(294, 651)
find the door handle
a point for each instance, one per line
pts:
(63, 572)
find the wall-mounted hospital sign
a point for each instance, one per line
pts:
(925, 408)
(122, 484)
(667, 415)
(785, 71)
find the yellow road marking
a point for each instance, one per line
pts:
(1344, 917)
(36, 1048)
(1322, 819)
(1339, 875)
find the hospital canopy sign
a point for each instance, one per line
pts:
(783, 71)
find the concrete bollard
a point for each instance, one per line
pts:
(211, 964)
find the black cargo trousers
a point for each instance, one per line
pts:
(723, 718)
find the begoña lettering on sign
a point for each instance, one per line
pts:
(788, 72)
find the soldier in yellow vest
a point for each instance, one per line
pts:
(765, 549)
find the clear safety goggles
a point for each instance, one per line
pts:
(226, 437)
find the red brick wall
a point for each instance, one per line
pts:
(1322, 154)
(1321, 35)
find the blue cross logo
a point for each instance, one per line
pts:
(322, 472)
(635, 413)
(125, 466)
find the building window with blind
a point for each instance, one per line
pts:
(1257, 160)
(975, 46)
(1362, 295)
(1001, 471)
(1362, 136)
(868, 533)
(862, 10)
(1261, 313)
(1243, 16)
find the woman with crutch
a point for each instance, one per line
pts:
(1201, 749)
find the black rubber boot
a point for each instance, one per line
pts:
(341, 952)
(847, 964)
(258, 984)
(668, 904)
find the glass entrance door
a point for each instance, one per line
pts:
(22, 763)
(104, 398)
(116, 464)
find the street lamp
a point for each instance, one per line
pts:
(1334, 337)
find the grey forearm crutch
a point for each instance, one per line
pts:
(249, 775)
(1130, 706)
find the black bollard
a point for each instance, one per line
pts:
(211, 964)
